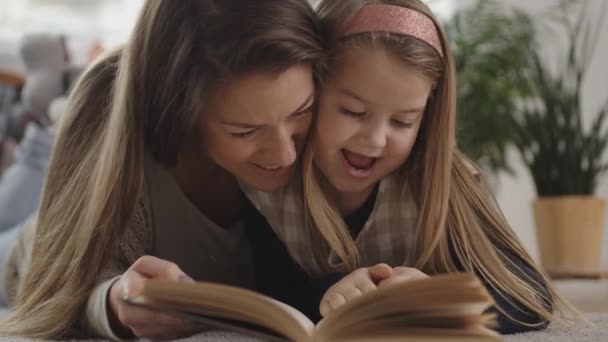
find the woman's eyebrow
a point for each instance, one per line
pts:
(305, 105)
(240, 124)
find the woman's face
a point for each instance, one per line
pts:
(255, 126)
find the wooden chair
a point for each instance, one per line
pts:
(11, 78)
(10, 83)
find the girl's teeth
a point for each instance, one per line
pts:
(358, 161)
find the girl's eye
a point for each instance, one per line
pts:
(351, 113)
(243, 134)
(401, 124)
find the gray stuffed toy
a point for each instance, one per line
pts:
(30, 130)
(48, 75)
(28, 137)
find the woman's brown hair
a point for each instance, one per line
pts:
(145, 95)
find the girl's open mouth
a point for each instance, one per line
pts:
(358, 165)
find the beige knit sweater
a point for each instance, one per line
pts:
(166, 225)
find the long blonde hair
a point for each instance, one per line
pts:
(145, 95)
(460, 226)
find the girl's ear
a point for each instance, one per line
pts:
(432, 95)
(434, 88)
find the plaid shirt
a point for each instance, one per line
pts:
(387, 236)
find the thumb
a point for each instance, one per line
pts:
(380, 272)
(132, 284)
(185, 278)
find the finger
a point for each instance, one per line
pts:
(390, 281)
(380, 272)
(365, 285)
(350, 292)
(153, 267)
(324, 307)
(330, 303)
(135, 315)
(402, 278)
(147, 323)
(135, 318)
(185, 278)
(132, 284)
(337, 300)
(414, 273)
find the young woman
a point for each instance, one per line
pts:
(144, 172)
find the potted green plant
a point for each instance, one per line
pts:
(490, 45)
(564, 157)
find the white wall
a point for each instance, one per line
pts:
(82, 21)
(515, 194)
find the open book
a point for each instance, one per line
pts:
(444, 307)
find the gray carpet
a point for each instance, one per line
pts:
(555, 333)
(566, 332)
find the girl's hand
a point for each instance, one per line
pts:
(130, 320)
(358, 282)
(401, 275)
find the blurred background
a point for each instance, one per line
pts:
(533, 97)
(84, 22)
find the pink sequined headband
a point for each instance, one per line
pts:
(394, 19)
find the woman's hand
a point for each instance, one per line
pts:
(358, 282)
(128, 320)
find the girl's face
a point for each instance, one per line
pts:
(369, 116)
(255, 127)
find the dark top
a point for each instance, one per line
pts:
(277, 275)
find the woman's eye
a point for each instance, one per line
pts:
(303, 113)
(351, 113)
(243, 134)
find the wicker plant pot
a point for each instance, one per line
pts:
(570, 232)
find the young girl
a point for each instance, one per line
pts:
(142, 182)
(386, 196)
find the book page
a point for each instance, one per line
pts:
(452, 304)
(223, 302)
